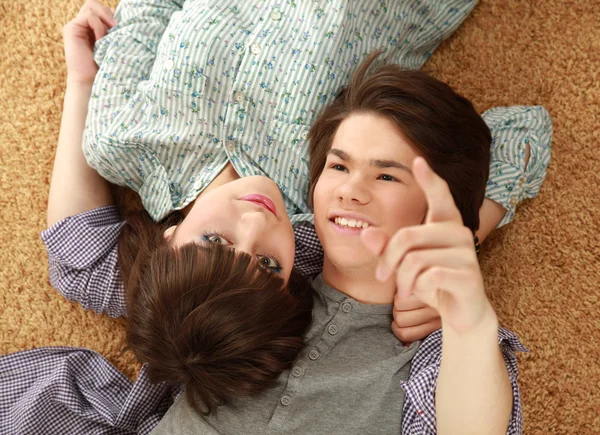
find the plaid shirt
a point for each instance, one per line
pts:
(74, 390)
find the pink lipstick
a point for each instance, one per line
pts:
(261, 200)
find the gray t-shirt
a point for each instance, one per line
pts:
(346, 381)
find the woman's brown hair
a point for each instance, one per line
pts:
(206, 317)
(442, 126)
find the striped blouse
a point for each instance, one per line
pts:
(185, 87)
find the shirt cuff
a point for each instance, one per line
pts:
(79, 241)
(419, 409)
(513, 129)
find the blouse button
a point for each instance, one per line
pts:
(522, 181)
(255, 49)
(276, 15)
(332, 329)
(238, 97)
(304, 135)
(230, 145)
(313, 354)
(514, 201)
(297, 372)
(169, 64)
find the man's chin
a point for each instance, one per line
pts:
(351, 258)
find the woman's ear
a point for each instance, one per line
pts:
(168, 234)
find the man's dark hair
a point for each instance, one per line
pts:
(440, 124)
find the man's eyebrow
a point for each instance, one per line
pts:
(384, 164)
(341, 154)
(376, 163)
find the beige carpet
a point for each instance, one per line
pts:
(542, 271)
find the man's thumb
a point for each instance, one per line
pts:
(374, 239)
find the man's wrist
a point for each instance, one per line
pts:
(486, 328)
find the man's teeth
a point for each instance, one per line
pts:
(352, 223)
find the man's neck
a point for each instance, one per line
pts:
(359, 284)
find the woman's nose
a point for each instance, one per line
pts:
(251, 229)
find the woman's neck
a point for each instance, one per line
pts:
(226, 175)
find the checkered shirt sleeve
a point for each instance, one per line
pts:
(419, 406)
(82, 260)
(68, 390)
(309, 252)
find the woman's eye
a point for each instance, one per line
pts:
(269, 263)
(215, 238)
(386, 177)
(337, 167)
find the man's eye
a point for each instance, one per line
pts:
(215, 238)
(337, 167)
(269, 263)
(386, 177)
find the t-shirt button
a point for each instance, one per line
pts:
(332, 329)
(297, 372)
(169, 64)
(276, 15)
(346, 307)
(313, 354)
(286, 400)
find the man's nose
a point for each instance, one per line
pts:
(354, 190)
(251, 229)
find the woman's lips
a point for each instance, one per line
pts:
(261, 200)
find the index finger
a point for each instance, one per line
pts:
(440, 203)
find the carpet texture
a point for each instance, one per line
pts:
(542, 271)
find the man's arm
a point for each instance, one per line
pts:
(436, 261)
(474, 393)
(75, 187)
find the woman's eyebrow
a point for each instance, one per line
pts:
(376, 163)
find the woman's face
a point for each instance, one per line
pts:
(248, 215)
(367, 181)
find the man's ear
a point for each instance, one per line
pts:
(168, 234)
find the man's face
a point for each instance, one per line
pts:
(367, 181)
